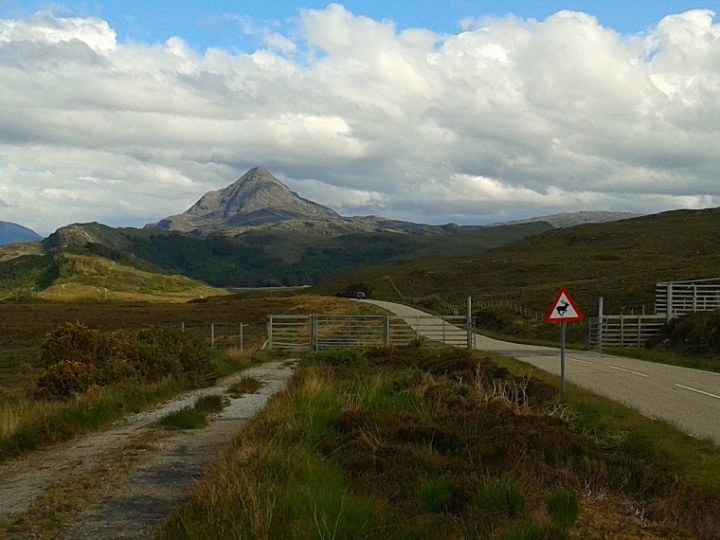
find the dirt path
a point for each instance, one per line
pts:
(121, 483)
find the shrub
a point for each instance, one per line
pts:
(336, 357)
(78, 358)
(695, 334)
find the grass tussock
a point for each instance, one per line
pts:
(195, 417)
(415, 442)
(246, 385)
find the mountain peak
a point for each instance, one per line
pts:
(257, 197)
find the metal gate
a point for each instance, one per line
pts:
(623, 330)
(319, 332)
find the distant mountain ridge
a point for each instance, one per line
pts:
(12, 233)
(570, 219)
(259, 201)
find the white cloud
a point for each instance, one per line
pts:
(509, 118)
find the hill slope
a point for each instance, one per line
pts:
(272, 254)
(11, 233)
(620, 261)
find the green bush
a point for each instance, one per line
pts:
(78, 358)
(694, 334)
(336, 357)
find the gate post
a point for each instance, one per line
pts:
(386, 330)
(600, 325)
(269, 332)
(468, 323)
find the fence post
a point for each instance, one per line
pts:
(386, 330)
(212, 334)
(669, 301)
(182, 326)
(241, 337)
(600, 324)
(313, 333)
(468, 323)
(269, 331)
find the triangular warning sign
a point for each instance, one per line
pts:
(563, 309)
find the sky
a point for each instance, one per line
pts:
(460, 111)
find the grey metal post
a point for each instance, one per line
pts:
(562, 356)
(386, 330)
(468, 323)
(241, 336)
(600, 324)
(622, 330)
(669, 301)
(270, 331)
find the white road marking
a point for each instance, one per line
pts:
(612, 367)
(698, 391)
(628, 371)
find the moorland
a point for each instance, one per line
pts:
(414, 441)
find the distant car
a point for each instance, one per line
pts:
(360, 295)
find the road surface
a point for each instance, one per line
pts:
(687, 398)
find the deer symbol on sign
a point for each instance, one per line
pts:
(562, 309)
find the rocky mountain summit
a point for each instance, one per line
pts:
(257, 198)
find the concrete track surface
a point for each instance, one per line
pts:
(687, 398)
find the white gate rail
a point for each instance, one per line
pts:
(624, 330)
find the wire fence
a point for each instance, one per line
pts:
(458, 308)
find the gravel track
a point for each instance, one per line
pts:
(121, 483)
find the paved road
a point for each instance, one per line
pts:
(688, 398)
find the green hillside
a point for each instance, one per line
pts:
(66, 276)
(266, 258)
(620, 261)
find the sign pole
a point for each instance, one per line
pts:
(563, 310)
(563, 325)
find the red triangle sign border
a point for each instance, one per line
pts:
(551, 316)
